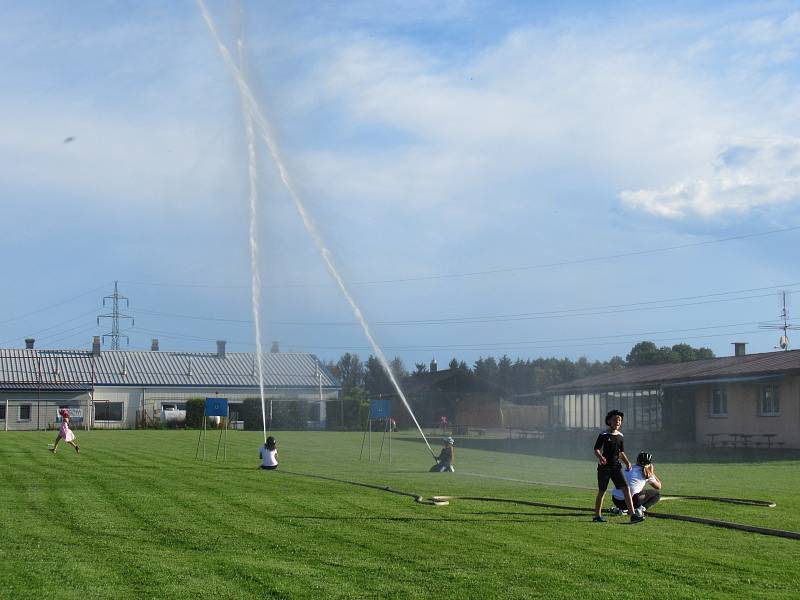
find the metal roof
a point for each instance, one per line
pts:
(80, 369)
(705, 371)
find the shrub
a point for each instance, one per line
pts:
(195, 410)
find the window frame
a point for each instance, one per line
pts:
(108, 404)
(719, 393)
(773, 398)
(20, 419)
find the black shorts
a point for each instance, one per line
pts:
(606, 473)
(270, 468)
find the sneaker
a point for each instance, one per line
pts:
(636, 518)
(643, 509)
(77, 449)
(615, 511)
(598, 520)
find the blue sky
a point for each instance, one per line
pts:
(531, 179)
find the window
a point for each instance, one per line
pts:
(719, 402)
(108, 411)
(769, 404)
(2, 412)
(173, 406)
(24, 412)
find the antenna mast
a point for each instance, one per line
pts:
(115, 317)
(783, 342)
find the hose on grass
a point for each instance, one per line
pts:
(445, 500)
(700, 520)
(383, 488)
(743, 501)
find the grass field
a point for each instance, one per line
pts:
(134, 515)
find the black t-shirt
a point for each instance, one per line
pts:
(610, 445)
(446, 455)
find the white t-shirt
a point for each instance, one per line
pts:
(269, 458)
(636, 482)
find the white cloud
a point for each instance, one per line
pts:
(749, 173)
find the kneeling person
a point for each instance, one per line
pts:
(446, 457)
(643, 473)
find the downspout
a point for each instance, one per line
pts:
(38, 386)
(90, 400)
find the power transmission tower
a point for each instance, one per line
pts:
(115, 317)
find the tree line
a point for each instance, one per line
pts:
(507, 377)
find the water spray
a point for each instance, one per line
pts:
(252, 108)
(255, 276)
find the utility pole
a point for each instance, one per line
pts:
(115, 317)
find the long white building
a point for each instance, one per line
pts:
(126, 389)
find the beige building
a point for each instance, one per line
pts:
(747, 400)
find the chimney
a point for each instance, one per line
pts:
(96, 345)
(220, 348)
(275, 349)
(154, 345)
(29, 343)
(738, 348)
(434, 366)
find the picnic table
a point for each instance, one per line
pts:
(743, 437)
(768, 437)
(525, 433)
(712, 437)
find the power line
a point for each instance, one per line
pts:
(38, 331)
(56, 305)
(520, 345)
(562, 313)
(613, 338)
(194, 317)
(578, 260)
(495, 271)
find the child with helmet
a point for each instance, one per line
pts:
(446, 457)
(642, 474)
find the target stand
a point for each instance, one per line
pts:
(215, 407)
(379, 411)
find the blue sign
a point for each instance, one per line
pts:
(380, 409)
(216, 407)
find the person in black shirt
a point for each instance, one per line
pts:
(446, 458)
(609, 448)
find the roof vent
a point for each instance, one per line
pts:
(739, 348)
(96, 345)
(275, 348)
(220, 348)
(29, 343)
(154, 345)
(434, 366)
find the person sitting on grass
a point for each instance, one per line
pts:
(65, 433)
(638, 477)
(446, 458)
(609, 448)
(269, 454)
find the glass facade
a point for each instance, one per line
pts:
(642, 408)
